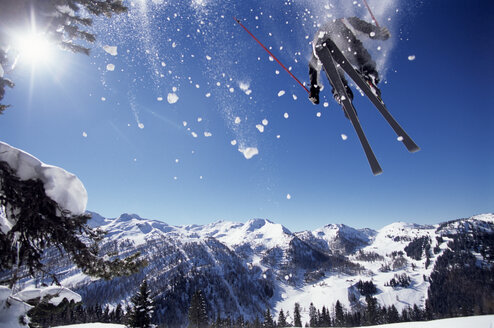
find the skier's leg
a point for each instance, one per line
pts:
(363, 60)
(348, 91)
(366, 66)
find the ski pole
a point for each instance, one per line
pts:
(269, 52)
(370, 11)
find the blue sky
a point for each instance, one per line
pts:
(159, 170)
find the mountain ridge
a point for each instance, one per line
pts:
(243, 268)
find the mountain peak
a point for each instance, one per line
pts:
(128, 217)
(256, 224)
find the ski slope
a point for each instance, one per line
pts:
(485, 321)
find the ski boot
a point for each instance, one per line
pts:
(372, 79)
(338, 99)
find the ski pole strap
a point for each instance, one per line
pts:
(370, 11)
(269, 52)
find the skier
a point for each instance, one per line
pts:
(341, 32)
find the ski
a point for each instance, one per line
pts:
(339, 58)
(330, 68)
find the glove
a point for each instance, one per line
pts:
(383, 33)
(314, 94)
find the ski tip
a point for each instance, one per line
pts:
(377, 172)
(413, 148)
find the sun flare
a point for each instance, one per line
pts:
(34, 48)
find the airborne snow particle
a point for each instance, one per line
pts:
(208, 95)
(344, 136)
(194, 134)
(237, 120)
(208, 57)
(278, 136)
(140, 125)
(163, 64)
(184, 123)
(281, 93)
(287, 277)
(411, 57)
(233, 142)
(231, 90)
(249, 152)
(286, 115)
(372, 34)
(112, 50)
(84, 134)
(294, 97)
(379, 48)
(176, 160)
(159, 98)
(288, 196)
(260, 128)
(318, 114)
(172, 98)
(265, 122)
(326, 104)
(277, 72)
(400, 138)
(271, 58)
(207, 134)
(199, 119)
(244, 86)
(111, 67)
(103, 99)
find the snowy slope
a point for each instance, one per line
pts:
(486, 321)
(338, 238)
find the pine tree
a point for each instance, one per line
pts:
(257, 323)
(392, 315)
(282, 319)
(106, 315)
(268, 319)
(339, 317)
(312, 315)
(40, 223)
(297, 322)
(142, 310)
(198, 317)
(371, 311)
(118, 314)
(325, 318)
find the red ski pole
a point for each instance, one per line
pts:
(370, 11)
(269, 52)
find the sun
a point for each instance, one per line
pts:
(34, 48)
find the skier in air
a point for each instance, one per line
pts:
(341, 32)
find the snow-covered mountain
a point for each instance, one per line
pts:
(242, 268)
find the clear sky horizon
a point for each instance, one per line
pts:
(156, 129)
